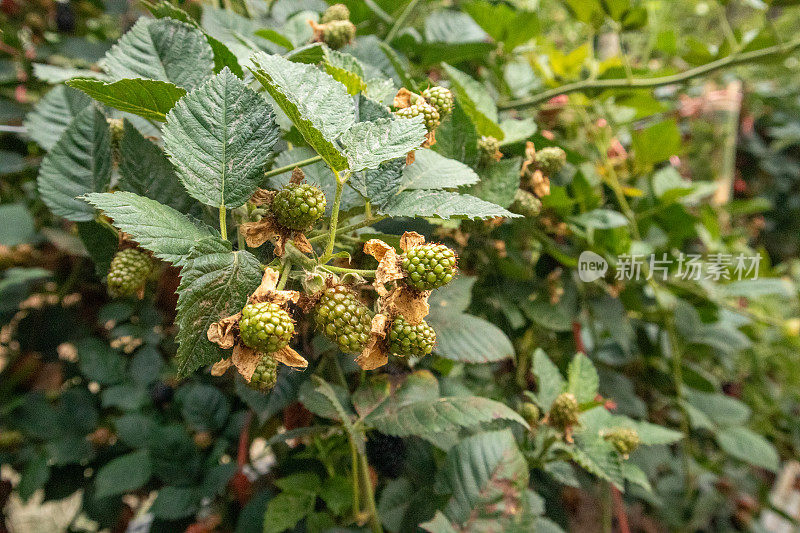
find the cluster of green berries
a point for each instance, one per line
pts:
(429, 266)
(487, 149)
(298, 205)
(550, 160)
(412, 340)
(565, 411)
(128, 272)
(344, 319)
(265, 327)
(440, 98)
(335, 12)
(266, 373)
(526, 204)
(429, 114)
(624, 440)
(338, 33)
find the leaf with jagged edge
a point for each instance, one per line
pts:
(79, 163)
(213, 286)
(442, 204)
(431, 170)
(54, 75)
(169, 234)
(151, 99)
(145, 170)
(548, 377)
(345, 69)
(476, 102)
(219, 138)
(161, 49)
(597, 456)
(53, 114)
(498, 182)
(317, 105)
(368, 144)
(582, 378)
(457, 138)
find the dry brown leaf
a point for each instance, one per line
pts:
(289, 357)
(389, 263)
(410, 239)
(376, 353)
(223, 333)
(262, 197)
(257, 233)
(297, 175)
(220, 367)
(404, 98)
(408, 302)
(245, 359)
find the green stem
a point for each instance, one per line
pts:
(354, 461)
(347, 229)
(401, 20)
(648, 83)
(285, 269)
(287, 168)
(223, 228)
(375, 522)
(343, 270)
(380, 13)
(337, 201)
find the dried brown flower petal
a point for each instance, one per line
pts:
(404, 98)
(221, 366)
(410, 239)
(266, 292)
(223, 333)
(376, 353)
(410, 303)
(389, 264)
(290, 357)
(262, 197)
(245, 359)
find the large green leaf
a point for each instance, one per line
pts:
(368, 144)
(164, 231)
(18, 225)
(476, 101)
(749, 447)
(146, 171)
(123, 474)
(151, 99)
(499, 182)
(318, 105)
(162, 49)
(219, 138)
(433, 171)
(487, 476)
(173, 503)
(79, 163)
(380, 184)
(53, 114)
(442, 204)
(213, 286)
(457, 138)
(504, 23)
(548, 378)
(582, 377)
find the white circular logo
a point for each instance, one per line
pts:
(591, 266)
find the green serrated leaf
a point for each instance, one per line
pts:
(318, 105)
(476, 102)
(504, 23)
(442, 204)
(162, 49)
(431, 170)
(582, 377)
(499, 182)
(123, 474)
(151, 99)
(213, 286)
(164, 231)
(54, 74)
(548, 377)
(219, 138)
(53, 114)
(457, 138)
(368, 144)
(79, 163)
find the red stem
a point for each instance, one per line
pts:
(576, 335)
(244, 441)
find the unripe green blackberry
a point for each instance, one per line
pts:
(335, 12)
(550, 160)
(526, 204)
(564, 411)
(266, 373)
(428, 112)
(488, 148)
(412, 340)
(530, 413)
(128, 272)
(344, 319)
(298, 205)
(338, 33)
(265, 327)
(429, 266)
(440, 98)
(624, 440)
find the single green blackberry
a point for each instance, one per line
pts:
(487, 149)
(344, 319)
(440, 98)
(412, 340)
(550, 160)
(266, 373)
(298, 205)
(128, 272)
(429, 266)
(526, 204)
(335, 12)
(265, 327)
(428, 112)
(338, 33)
(530, 413)
(624, 440)
(564, 411)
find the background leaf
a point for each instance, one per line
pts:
(53, 114)
(442, 204)
(150, 99)
(368, 144)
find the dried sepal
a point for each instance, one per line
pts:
(245, 359)
(290, 357)
(298, 176)
(376, 353)
(221, 366)
(404, 98)
(410, 239)
(223, 332)
(257, 233)
(262, 197)
(318, 29)
(410, 303)
(267, 292)
(389, 264)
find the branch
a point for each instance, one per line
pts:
(287, 168)
(647, 83)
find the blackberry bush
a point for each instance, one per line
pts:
(406, 339)
(128, 272)
(429, 266)
(265, 327)
(342, 318)
(298, 205)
